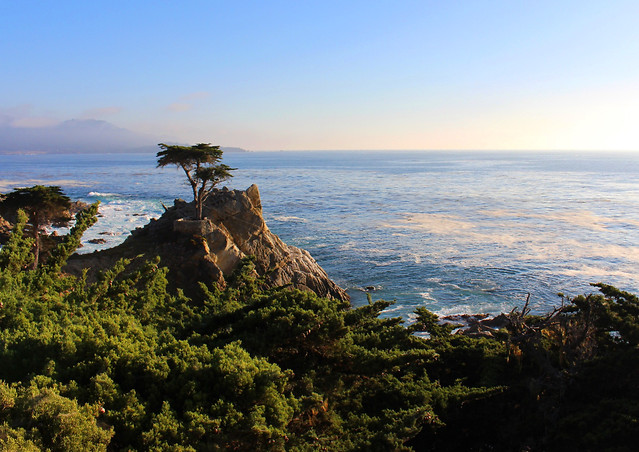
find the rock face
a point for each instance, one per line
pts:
(210, 249)
(5, 230)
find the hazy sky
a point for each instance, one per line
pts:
(326, 74)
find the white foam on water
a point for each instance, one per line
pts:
(394, 308)
(428, 296)
(117, 218)
(289, 219)
(97, 194)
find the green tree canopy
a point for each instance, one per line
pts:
(124, 362)
(44, 206)
(201, 164)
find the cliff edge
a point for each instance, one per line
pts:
(209, 250)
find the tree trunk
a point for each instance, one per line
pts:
(196, 199)
(202, 194)
(198, 207)
(193, 184)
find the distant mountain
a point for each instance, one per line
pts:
(78, 136)
(75, 135)
(232, 149)
(224, 148)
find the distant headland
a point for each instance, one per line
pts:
(78, 136)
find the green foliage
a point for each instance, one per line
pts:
(235, 368)
(44, 205)
(123, 363)
(568, 379)
(617, 312)
(16, 254)
(83, 221)
(35, 418)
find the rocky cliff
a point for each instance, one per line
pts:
(5, 230)
(210, 249)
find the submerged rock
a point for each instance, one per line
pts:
(210, 249)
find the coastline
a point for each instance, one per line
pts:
(453, 232)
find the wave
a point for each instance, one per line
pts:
(98, 194)
(427, 296)
(291, 219)
(394, 308)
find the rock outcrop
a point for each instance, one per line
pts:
(5, 230)
(209, 250)
(477, 325)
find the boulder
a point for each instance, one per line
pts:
(209, 250)
(498, 322)
(478, 324)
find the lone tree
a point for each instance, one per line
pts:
(44, 206)
(201, 164)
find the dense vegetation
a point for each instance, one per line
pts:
(123, 363)
(44, 206)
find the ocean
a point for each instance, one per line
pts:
(455, 232)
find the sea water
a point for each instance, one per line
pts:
(452, 231)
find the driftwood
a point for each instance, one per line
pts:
(572, 335)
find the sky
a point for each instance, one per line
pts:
(328, 75)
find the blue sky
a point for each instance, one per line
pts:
(330, 75)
